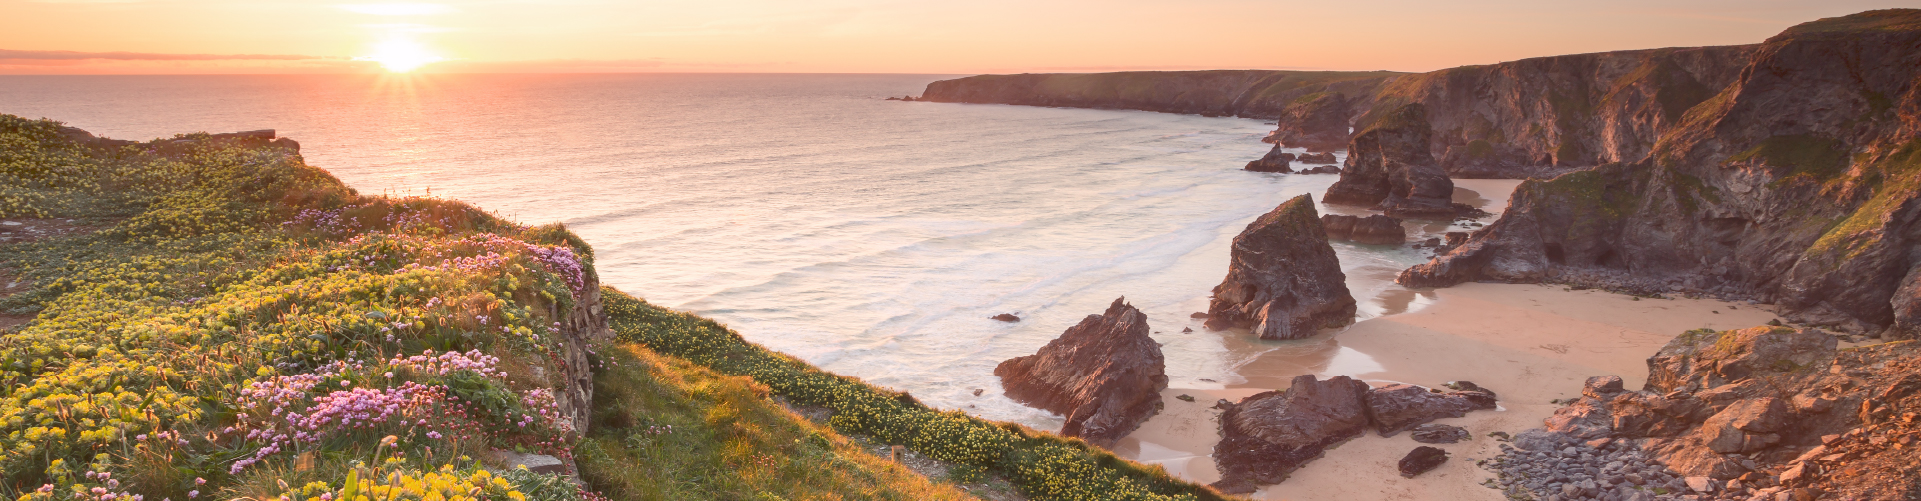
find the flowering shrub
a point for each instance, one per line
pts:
(240, 316)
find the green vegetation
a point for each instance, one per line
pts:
(221, 320)
(1808, 157)
(1689, 191)
(1874, 20)
(1043, 466)
(1899, 173)
(664, 428)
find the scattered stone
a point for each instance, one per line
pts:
(1185, 330)
(1422, 459)
(1006, 317)
(1324, 169)
(1434, 433)
(978, 391)
(536, 463)
(1185, 397)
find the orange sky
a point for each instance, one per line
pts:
(866, 36)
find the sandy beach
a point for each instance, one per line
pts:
(1529, 343)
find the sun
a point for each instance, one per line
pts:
(400, 55)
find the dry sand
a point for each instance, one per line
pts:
(1529, 343)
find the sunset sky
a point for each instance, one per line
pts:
(864, 36)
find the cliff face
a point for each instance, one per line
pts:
(1794, 184)
(1243, 93)
(1547, 115)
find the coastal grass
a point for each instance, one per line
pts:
(665, 428)
(214, 299)
(1042, 465)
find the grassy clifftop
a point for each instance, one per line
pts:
(207, 316)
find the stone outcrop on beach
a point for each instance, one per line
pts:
(1434, 433)
(1243, 93)
(1104, 374)
(1767, 409)
(1389, 168)
(1269, 435)
(1283, 279)
(1400, 407)
(1274, 161)
(1376, 229)
(1793, 185)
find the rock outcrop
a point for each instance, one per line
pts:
(1283, 280)
(1771, 409)
(1104, 374)
(1794, 184)
(1318, 123)
(1243, 93)
(1389, 168)
(1274, 161)
(1375, 230)
(1269, 435)
(1317, 158)
(1401, 407)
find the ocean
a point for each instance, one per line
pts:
(873, 238)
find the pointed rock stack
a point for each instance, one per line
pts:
(1105, 375)
(1284, 281)
(1390, 168)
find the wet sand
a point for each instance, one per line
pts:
(1529, 343)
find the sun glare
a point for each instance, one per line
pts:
(400, 55)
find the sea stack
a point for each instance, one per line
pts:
(1105, 375)
(1274, 161)
(1319, 124)
(1283, 281)
(1390, 168)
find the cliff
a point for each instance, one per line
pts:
(1795, 184)
(1242, 93)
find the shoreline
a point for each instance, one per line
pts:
(1529, 343)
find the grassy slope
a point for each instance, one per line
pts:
(209, 295)
(198, 269)
(1042, 465)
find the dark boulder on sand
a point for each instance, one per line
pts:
(1283, 280)
(1267, 436)
(1104, 374)
(1400, 407)
(1422, 459)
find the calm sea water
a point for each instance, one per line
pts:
(873, 238)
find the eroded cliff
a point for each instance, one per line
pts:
(1794, 184)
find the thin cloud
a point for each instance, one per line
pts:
(68, 55)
